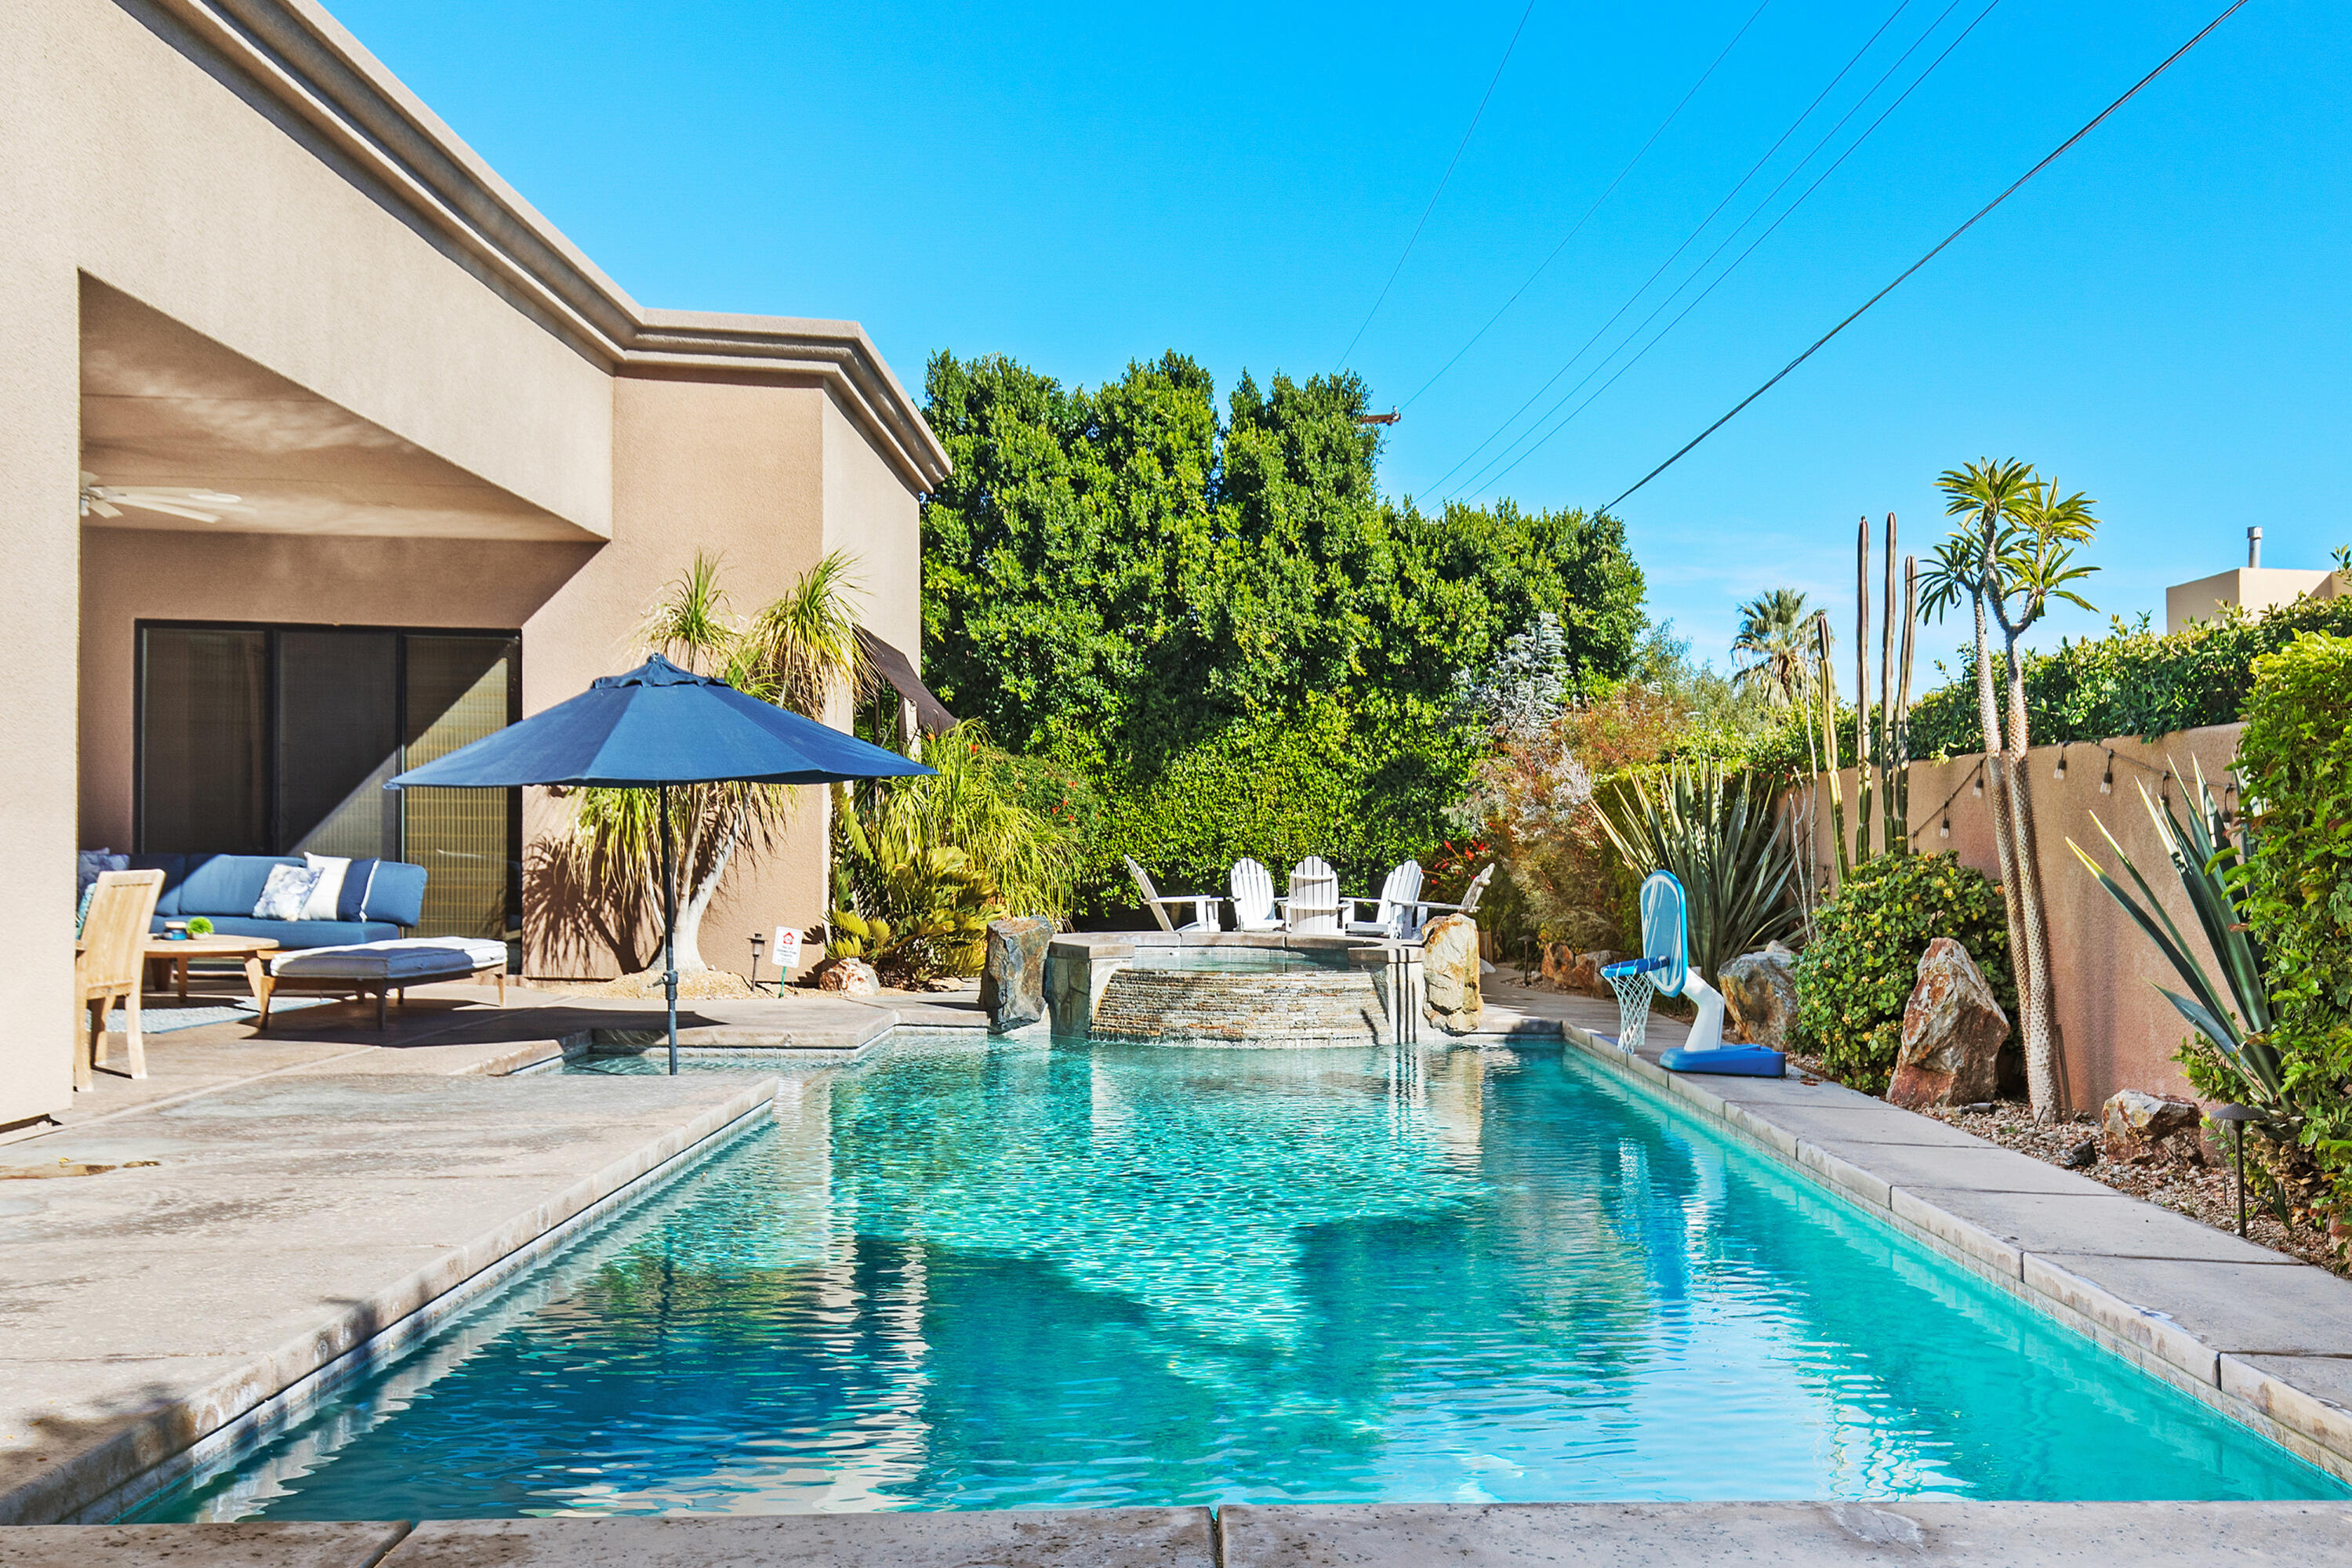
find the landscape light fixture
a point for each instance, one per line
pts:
(758, 940)
(2237, 1115)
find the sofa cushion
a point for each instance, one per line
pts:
(416, 958)
(90, 863)
(175, 871)
(296, 935)
(395, 893)
(220, 885)
(351, 899)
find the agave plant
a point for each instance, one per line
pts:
(2204, 857)
(913, 910)
(1717, 831)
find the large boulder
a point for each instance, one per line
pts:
(1560, 964)
(1013, 974)
(847, 976)
(2133, 1126)
(1449, 970)
(1760, 996)
(1952, 1033)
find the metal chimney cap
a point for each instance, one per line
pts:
(2254, 546)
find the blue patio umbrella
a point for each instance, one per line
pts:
(656, 726)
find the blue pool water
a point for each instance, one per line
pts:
(1026, 1276)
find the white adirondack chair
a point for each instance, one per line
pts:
(1394, 912)
(1204, 905)
(1424, 908)
(1254, 906)
(1313, 905)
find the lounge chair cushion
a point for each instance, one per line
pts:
(410, 959)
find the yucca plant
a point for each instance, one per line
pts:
(1717, 831)
(2206, 860)
(912, 909)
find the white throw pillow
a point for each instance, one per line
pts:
(329, 888)
(283, 896)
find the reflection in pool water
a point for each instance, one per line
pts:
(1022, 1275)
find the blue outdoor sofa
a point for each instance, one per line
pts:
(378, 899)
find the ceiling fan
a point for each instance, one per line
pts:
(108, 501)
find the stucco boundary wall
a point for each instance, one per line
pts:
(273, 1390)
(2115, 1030)
(2049, 1237)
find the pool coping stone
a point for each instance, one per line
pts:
(2178, 1304)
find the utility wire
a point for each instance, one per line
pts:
(1458, 150)
(1672, 115)
(1633, 297)
(2055, 153)
(1700, 271)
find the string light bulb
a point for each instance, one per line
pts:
(2060, 771)
(1976, 784)
(2107, 780)
(1947, 829)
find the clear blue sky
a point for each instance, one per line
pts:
(2160, 320)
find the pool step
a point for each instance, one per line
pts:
(1324, 1008)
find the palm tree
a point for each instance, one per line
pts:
(798, 652)
(2011, 556)
(1774, 646)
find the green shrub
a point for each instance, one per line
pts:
(1855, 976)
(2296, 761)
(2133, 681)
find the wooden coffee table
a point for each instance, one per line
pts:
(159, 948)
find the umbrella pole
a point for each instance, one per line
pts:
(669, 931)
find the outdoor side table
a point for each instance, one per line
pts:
(234, 947)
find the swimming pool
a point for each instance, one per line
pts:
(1025, 1275)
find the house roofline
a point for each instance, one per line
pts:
(307, 63)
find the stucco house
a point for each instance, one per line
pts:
(242, 258)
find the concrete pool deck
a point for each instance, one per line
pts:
(289, 1228)
(1372, 1535)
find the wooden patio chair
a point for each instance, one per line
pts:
(1204, 905)
(1254, 906)
(1313, 905)
(110, 963)
(1392, 912)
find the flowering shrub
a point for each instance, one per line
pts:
(1855, 976)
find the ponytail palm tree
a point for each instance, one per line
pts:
(1774, 646)
(798, 652)
(2011, 554)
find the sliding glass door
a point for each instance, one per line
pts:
(277, 740)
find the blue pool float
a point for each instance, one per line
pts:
(1728, 1061)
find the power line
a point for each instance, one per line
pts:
(1441, 180)
(2055, 153)
(1578, 227)
(1753, 245)
(1629, 300)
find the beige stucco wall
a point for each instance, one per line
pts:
(2117, 1032)
(287, 199)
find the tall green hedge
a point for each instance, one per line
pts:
(2296, 763)
(2133, 681)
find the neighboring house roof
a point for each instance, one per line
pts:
(307, 65)
(931, 715)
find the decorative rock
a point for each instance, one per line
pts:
(1449, 961)
(2134, 1124)
(2082, 1156)
(1760, 996)
(848, 977)
(1952, 1033)
(1012, 975)
(1560, 965)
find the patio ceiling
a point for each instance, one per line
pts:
(163, 404)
